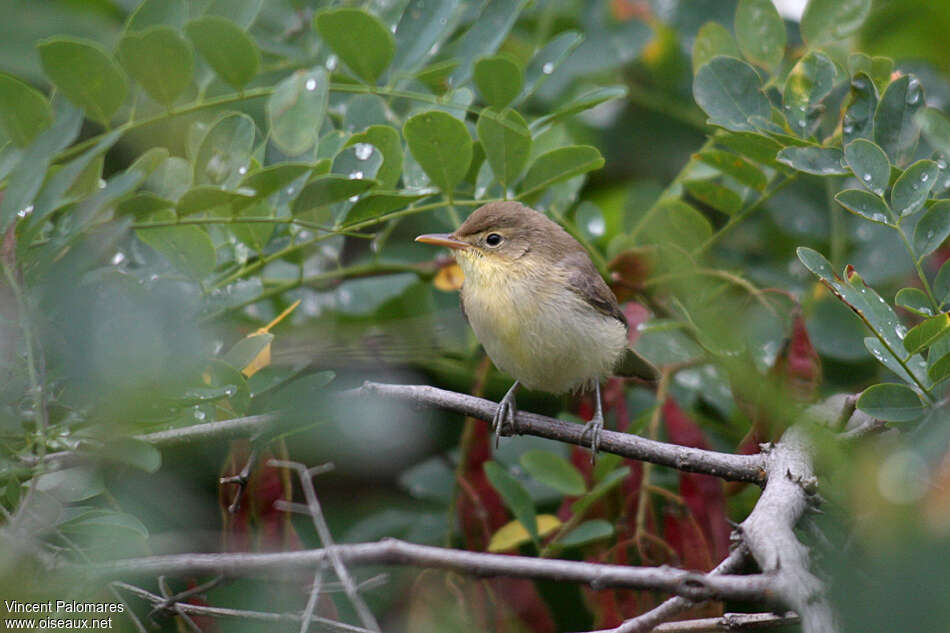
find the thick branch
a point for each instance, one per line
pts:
(693, 585)
(725, 465)
(731, 622)
(769, 530)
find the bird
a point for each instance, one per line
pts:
(540, 308)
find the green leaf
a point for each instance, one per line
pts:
(386, 140)
(935, 128)
(72, 484)
(436, 76)
(730, 91)
(715, 195)
(713, 40)
(133, 452)
(271, 179)
(941, 285)
(806, 86)
(869, 164)
(583, 102)
(86, 73)
(359, 39)
(735, 166)
(858, 120)
(891, 402)
(507, 143)
(103, 522)
(940, 369)
(760, 32)
(515, 496)
(865, 204)
(441, 145)
(915, 300)
(431, 480)
(423, 25)
(187, 248)
(610, 481)
(912, 188)
(159, 59)
(254, 235)
(821, 161)
(932, 229)
(499, 80)
(926, 333)
(154, 12)
(143, 204)
(547, 60)
(895, 127)
(484, 35)
(587, 532)
(241, 11)
(558, 165)
(326, 190)
(676, 222)
(207, 197)
(762, 149)
(296, 109)
(24, 112)
(224, 153)
(827, 21)
(553, 470)
(227, 49)
(246, 350)
(377, 204)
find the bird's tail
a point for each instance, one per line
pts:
(633, 365)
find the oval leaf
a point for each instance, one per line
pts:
(932, 229)
(84, 72)
(587, 532)
(915, 300)
(712, 40)
(830, 20)
(942, 280)
(359, 39)
(159, 59)
(735, 166)
(224, 154)
(926, 333)
(386, 140)
(560, 164)
(296, 109)
(187, 248)
(869, 164)
(912, 188)
(891, 402)
(555, 471)
(498, 79)
(506, 140)
(328, 189)
(227, 49)
(730, 91)
(24, 111)
(821, 161)
(865, 204)
(858, 121)
(809, 82)
(515, 496)
(895, 127)
(760, 32)
(441, 145)
(512, 534)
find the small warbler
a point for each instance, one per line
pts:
(539, 307)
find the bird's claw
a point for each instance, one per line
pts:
(505, 419)
(593, 428)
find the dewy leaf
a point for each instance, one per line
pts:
(712, 40)
(895, 127)
(932, 229)
(865, 204)
(891, 402)
(24, 111)
(271, 179)
(912, 188)
(715, 195)
(560, 164)
(386, 140)
(515, 496)
(187, 248)
(547, 60)
(760, 32)
(809, 82)
(926, 333)
(729, 91)
(359, 39)
(553, 470)
(484, 36)
(935, 128)
(914, 300)
(224, 154)
(441, 144)
(827, 21)
(296, 109)
(499, 80)
(424, 25)
(326, 190)
(160, 60)
(858, 121)
(821, 161)
(735, 166)
(869, 164)
(227, 49)
(583, 102)
(941, 286)
(507, 142)
(86, 73)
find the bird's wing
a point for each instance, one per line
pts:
(462, 306)
(587, 282)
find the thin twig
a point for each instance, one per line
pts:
(305, 620)
(725, 465)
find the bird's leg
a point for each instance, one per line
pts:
(595, 425)
(505, 414)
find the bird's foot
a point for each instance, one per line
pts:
(593, 428)
(505, 419)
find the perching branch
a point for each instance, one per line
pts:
(692, 585)
(725, 465)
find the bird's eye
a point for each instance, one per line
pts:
(493, 239)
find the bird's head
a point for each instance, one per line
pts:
(504, 237)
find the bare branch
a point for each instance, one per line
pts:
(221, 430)
(730, 622)
(727, 466)
(692, 585)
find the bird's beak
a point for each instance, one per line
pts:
(443, 239)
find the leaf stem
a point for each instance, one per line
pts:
(920, 270)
